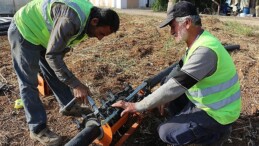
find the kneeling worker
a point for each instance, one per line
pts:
(202, 93)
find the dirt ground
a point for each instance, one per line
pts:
(137, 51)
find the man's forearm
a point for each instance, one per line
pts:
(166, 93)
(66, 24)
(58, 65)
(200, 65)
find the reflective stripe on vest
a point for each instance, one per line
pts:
(218, 94)
(219, 104)
(35, 23)
(45, 5)
(214, 89)
(45, 15)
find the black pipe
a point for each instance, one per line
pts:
(232, 47)
(86, 136)
(156, 79)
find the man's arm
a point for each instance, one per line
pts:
(66, 25)
(201, 64)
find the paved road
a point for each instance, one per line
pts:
(252, 21)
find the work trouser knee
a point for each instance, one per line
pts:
(181, 133)
(191, 125)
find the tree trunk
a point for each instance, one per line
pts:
(218, 6)
(257, 8)
(257, 11)
(170, 4)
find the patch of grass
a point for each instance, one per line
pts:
(125, 63)
(240, 29)
(169, 43)
(171, 49)
(159, 5)
(120, 62)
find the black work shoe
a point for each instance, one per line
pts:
(76, 110)
(46, 137)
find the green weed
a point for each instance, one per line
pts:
(240, 29)
(159, 5)
(169, 44)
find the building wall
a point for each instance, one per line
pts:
(103, 3)
(132, 3)
(121, 4)
(11, 6)
(142, 3)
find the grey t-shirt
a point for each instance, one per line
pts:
(66, 25)
(202, 63)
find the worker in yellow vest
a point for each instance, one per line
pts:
(202, 92)
(40, 34)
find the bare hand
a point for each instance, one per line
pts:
(128, 107)
(161, 109)
(81, 92)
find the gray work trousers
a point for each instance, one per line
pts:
(28, 59)
(190, 125)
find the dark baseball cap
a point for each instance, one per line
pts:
(180, 9)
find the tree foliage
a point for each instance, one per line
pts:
(202, 5)
(159, 5)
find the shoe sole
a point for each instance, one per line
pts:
(57, 143)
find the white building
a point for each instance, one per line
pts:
(11, 6)
(122, 4)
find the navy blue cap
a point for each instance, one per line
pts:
(180, 9)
